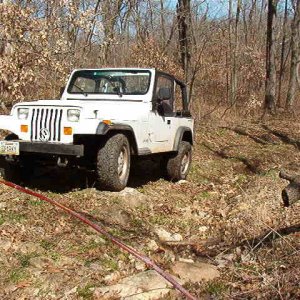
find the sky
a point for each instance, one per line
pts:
(216, 8)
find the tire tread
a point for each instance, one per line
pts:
(174, 162)
(107, 163)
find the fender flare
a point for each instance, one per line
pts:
(103, 129)
(179, 136)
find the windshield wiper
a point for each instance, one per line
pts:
(81, 90)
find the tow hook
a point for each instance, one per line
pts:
(62, 162)
(11, 159)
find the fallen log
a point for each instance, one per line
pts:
(291, 193)
(283, 137)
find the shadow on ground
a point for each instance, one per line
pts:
(62, 180)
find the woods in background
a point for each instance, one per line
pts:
(241, 54)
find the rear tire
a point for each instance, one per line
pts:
(178, 165)
(113, 163)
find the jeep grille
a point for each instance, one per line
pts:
(46, 120)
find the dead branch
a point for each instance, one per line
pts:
(268, 237)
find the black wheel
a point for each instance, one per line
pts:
(178, 165)
(113, 163)
(17, 172)
(11, 172)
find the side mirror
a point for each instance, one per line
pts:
(164, 93)
(61, 91)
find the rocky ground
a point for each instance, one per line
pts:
(224, 233)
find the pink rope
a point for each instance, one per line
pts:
(101, 230)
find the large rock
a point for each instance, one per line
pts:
(165, 236)
(132, 197)
(194, 272)
(146, 285)
(152, 245)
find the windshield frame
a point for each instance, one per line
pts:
(73, 78)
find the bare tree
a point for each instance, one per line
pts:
(234, 48)
(184, 28)
(162, 21)
(111, 11)
(295, 57)
(283, 50)
(213, 55)
(270, 81)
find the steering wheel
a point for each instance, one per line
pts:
(113, 80)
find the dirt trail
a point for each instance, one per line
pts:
(229, 214)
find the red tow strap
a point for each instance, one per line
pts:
(99, 229)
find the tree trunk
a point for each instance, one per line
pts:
(270, 81)
(110, 10)
(295, 58)
(233, 51)
(183, 18)
(162, 22)
(234, 76)
(282, 55)
(229, 74)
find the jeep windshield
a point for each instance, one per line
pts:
(110, 82)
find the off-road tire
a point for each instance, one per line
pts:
(178, 165)
(108, 163)
(11, 172)
(17, 173)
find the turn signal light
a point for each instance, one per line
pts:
(68, 131)
(24, 128)
(107, 122)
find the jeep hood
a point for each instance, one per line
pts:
(110, 109)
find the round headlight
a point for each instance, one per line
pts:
(23, 113)
(73, 115)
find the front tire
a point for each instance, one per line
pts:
(179, 164)
(113, 163)
(17, 172)
(11, 172)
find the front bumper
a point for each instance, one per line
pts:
(51, 148)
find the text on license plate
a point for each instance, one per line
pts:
(9, 148)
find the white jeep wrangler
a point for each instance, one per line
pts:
(104, 118)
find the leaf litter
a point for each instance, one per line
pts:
(218, 214)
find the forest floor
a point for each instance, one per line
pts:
(228, 213)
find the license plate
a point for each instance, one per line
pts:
(9, 148)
